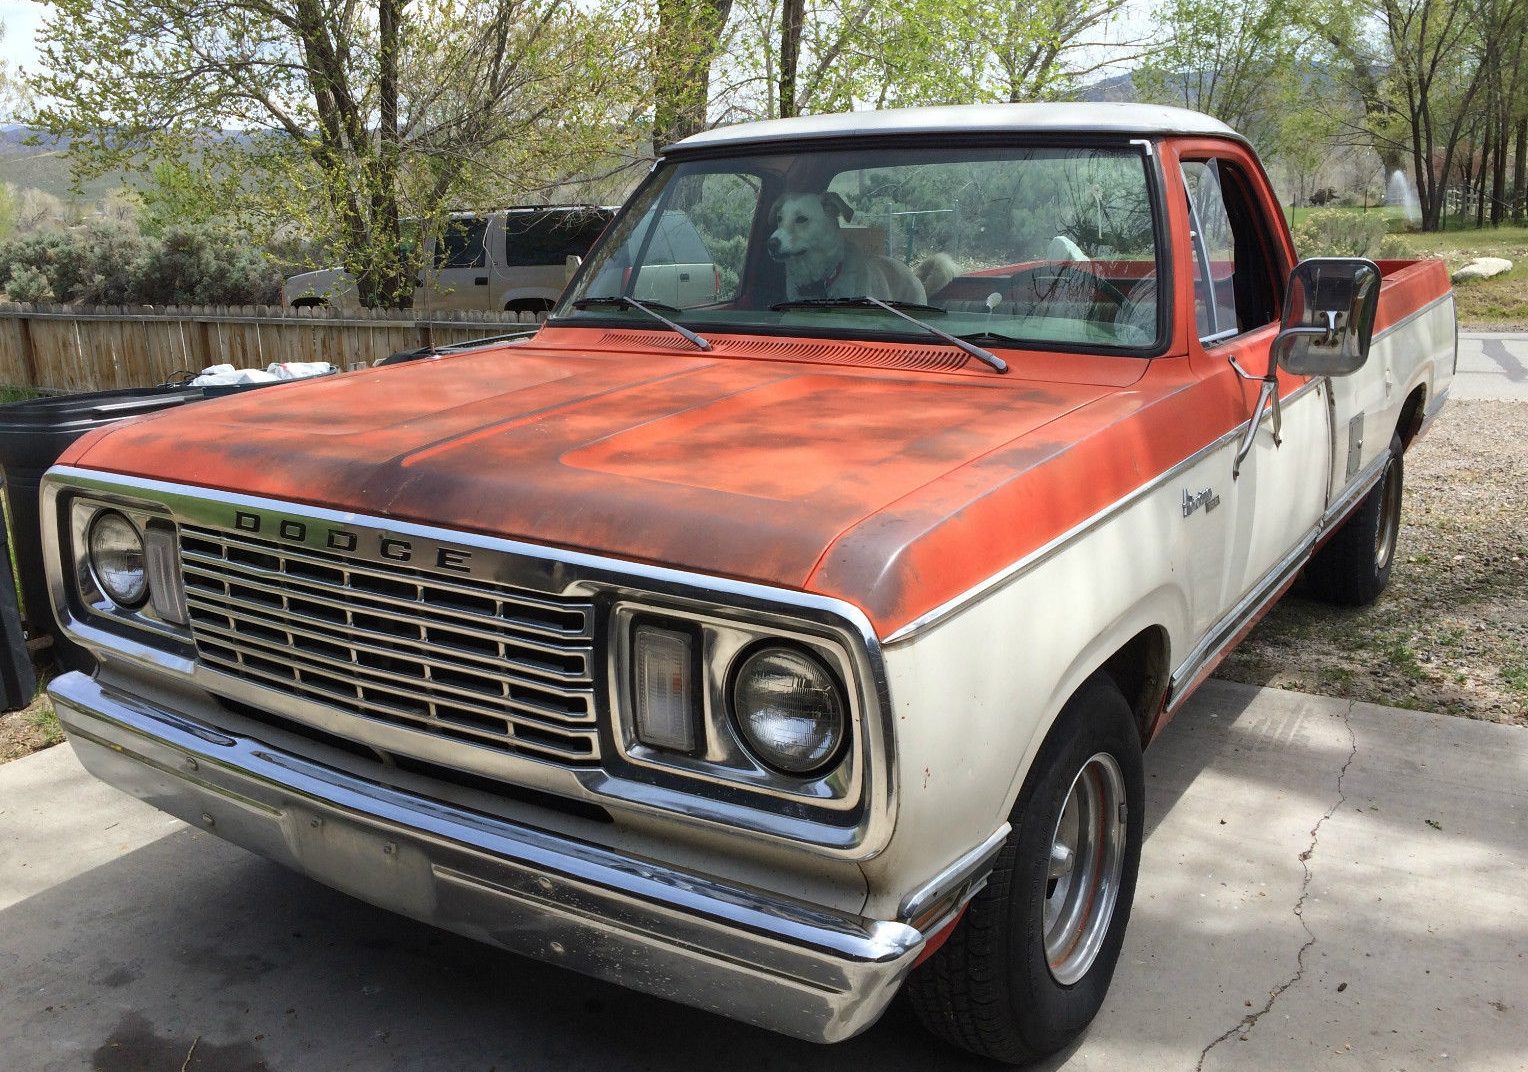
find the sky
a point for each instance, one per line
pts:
(22, 19)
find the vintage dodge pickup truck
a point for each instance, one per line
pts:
(777, 651)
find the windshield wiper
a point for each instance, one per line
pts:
(987, 357)
(995, 336)
(621, 301)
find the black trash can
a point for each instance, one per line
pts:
(32, 436)
(17, 682)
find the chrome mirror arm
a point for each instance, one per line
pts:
(1267, 398)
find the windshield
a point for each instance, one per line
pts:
(1054, 248)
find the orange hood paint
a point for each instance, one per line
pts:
(893, 489)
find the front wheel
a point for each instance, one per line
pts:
(1354, 566)
(1029, 964)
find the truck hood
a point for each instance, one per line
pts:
(746, 469)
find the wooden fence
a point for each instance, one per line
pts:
(97, 348)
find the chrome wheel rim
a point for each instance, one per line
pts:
(1087, 856)
(1389, 518)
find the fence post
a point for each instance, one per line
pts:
(24, 345)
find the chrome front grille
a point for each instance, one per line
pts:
(484, 663)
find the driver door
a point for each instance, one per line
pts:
(1277, 491)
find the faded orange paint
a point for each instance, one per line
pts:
(893, 488)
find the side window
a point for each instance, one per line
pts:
(660, 251)
(717, 229)
(548, 238)
(461, 246)
(1236, 283)
(692, 254)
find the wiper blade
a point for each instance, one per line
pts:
(986, 357)
(622, 301)
(854, 303)
(995, 336)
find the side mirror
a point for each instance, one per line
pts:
(570, 265)
(1328, 316)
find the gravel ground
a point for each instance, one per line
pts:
(25, 732)
(1451, 632)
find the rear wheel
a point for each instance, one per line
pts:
(1030, 962)
(1354, 566)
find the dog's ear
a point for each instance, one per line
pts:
(833, 205)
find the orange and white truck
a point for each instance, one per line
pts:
(772, 651)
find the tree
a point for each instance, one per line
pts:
(1040, 50)
(1227, 58)
(1436, 80)
(340, 115)
(797, 57)
(688, 41)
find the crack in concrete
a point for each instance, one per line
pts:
(1248, 1022)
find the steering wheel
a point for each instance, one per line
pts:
(1061, 279)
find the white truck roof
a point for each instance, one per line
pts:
(1072, 118)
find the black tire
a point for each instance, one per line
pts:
(990, 988)
(1353, 568)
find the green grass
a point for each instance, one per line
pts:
(11, 393)
(46, 720)
(1515, 674)
(1296, 216)
(1477, 240)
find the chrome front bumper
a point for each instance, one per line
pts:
(750, 955)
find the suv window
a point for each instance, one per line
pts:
(545, 238)
(461, 245)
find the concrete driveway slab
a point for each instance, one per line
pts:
(1324, 885)
(1492, 365)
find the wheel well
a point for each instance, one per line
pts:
(308, 303)
(1140, 670)
(1411, 417)
(529, 305)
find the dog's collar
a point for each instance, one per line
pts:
(826, 282)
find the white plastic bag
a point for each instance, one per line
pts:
(300, 370)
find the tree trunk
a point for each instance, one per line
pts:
(791, 14)
(390, 287)
(1499, 173)
(689, 37)
(1520, 171)
(1480, 175)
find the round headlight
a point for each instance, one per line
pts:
(116, 559)
(790, 709)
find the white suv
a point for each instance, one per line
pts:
(509, 258)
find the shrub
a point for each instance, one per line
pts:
(109, 258)
(56, 256)
(109, 264)
(27, 284)
(1331, 232)
(201, 266)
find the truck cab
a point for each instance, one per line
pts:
(778, 640)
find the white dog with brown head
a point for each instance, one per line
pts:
(819, 263)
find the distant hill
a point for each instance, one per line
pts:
(45, 166)
(1120, 87)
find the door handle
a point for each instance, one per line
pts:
(480, 281)
(684, 277)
